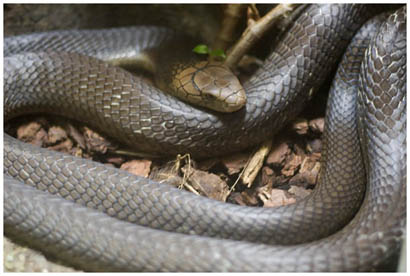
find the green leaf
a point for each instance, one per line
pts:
(218, 53)
(201, 49)
(204, 49)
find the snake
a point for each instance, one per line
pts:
(99, 218)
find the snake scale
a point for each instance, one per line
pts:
(345, 227)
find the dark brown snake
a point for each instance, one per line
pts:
(341, 227)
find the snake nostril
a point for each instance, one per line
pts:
(209, 97)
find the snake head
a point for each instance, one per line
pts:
(210, 84)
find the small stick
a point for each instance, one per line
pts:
(232, 14)
(253, 33)
(133, 153)
(255, 164)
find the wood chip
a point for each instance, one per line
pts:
(207, 184)
(280, 181)
(95, 142)
(310, 168)
(246, 198)
(308, 173)
(75, 134)
(277, 198)
(115, 160)
(32, 133)
(237, 198)
(56, 134)
(300, 126)
(317, 125)
(65, 146)
(308, 164)
(138, 167)
(77, 151)
(278, 154)
(292, 165)
(235, 163)
(316, 156)
(268, 176)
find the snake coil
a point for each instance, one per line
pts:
(235, 238)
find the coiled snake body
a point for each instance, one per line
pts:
(83, 88)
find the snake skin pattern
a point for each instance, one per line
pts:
(92, 240)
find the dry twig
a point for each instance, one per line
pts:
(253, 33)
(232, 14)
(255, 164)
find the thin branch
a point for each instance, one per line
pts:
(254, 32)
(232, 15)
(255, 164)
